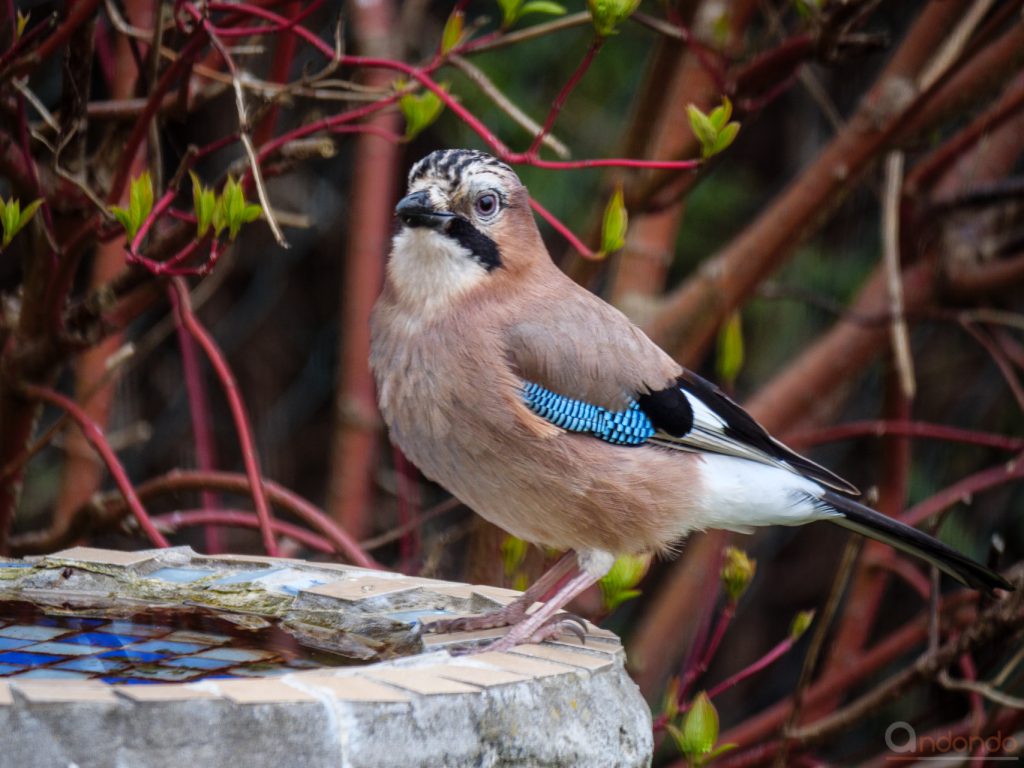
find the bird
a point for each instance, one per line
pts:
(550, 414)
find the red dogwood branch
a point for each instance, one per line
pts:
(98, 441)
(183, 309)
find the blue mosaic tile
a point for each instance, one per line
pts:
(27, 659)
(15, 565)
(168, 646)
(93, 664)
(130, 654)
(289, 581)
(181, 575)
(7, 643)
(103, 639)
(127, 681)
(194, 662)
(244, 577)
(131, 628)
(235, 655)
(68, 621)
(62, 649)
(8, 669)
(31, 632)
(51, 673)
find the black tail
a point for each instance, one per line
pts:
(875, 525)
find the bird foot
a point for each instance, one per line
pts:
(503, 617)
(520, 634)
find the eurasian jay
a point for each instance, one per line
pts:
(550, 414)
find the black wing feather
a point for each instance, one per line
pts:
(671, 412)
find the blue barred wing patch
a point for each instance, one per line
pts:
(627, 427)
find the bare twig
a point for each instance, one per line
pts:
(509, 107)
(95, 436)
(891, 259)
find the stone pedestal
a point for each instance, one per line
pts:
(86, 682)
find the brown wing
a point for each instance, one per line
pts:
(571, 342)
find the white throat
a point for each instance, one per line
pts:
(428, 270)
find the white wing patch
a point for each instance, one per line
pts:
(708, 434)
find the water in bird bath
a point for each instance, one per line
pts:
(154, 645)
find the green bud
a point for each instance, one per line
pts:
(700, 727)
(737, 573)
(801, 623)
(513, 553)
(619, 584)
(607, 15)
(614, 224)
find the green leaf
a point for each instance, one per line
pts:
(701, 126)
(452, 33)
(219, 220)
(720, 115)
(700, 728)
(140, 199)
(27, 213)
(9, 215)
(509, 12)
(615, 223)
(513, 552)
(420, 110)
(714, 131)
(801, 623)
(607, 15)
(542, 6)
(13, 218)
(729, 360)
(204, 201)
(725, 137)
(234, 206)
(619, 584)
(123, 216)
(21, 24)
(251, 212)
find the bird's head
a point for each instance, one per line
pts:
(466, 219)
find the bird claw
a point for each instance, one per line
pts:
(502, 617)
(557, 625)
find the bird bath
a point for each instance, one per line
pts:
(169, 658)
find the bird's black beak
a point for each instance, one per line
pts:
(415, 210)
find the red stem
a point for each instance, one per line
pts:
(240, 519)
(563, 230)
(881, 428)
(768, 659)
(231, 482)
(691, 674)
(202, 431)
(568, 88)
(964, 489)
(248, 448)
(93, 433)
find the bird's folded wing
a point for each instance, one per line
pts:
(575, 345)
(694, 414)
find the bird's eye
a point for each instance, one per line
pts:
(486, 204)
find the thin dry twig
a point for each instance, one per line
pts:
(506, 105)
(244, 135)
(894, 284)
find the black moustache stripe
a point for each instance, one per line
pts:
(484, 250)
